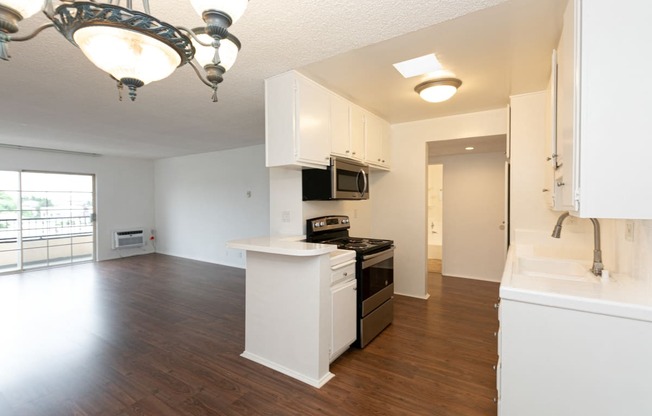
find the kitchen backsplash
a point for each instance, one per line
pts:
(634, 255)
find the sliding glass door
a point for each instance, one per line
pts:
(46, 219)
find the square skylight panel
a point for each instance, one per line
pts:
(418, 66)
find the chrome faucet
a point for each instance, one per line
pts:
(597, 252)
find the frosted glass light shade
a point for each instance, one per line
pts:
(437, 91)
(26, 8)
(205, 54)
(127, 54)
(234, 8)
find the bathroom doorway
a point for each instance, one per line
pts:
(435, 217)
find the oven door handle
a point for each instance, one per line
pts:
(376, 258)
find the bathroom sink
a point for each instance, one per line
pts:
(553, 268)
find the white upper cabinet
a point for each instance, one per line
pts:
(377, 133)
(603, 106)
(305, 124)
(297, 122)
(357, 128)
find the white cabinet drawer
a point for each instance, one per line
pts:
(343, 272)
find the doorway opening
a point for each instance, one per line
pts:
(473, 227)
(435, 217)
(46, 219)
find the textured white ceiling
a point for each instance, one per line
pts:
(55, 98)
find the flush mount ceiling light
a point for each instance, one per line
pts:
(438, 90)
(132, 46)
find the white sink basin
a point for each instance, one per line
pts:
(553, 268)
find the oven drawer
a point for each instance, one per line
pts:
(343, 272)
(377, 299)
(374, 323)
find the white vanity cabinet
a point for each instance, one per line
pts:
(297, 122)
(603, 106)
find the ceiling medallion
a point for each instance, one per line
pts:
(133, 47)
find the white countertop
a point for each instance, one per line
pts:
(618, 296)
(282, 245)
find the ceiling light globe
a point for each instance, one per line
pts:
(436, 91)
(234, 8)
(125, 53)
(25, 8)
(229, 48)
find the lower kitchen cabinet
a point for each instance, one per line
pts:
(343, 317)
(564, 362)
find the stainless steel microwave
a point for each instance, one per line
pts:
(343, 179)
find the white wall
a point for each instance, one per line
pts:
(529, 205)
(124, 191)
(202, 202)
(473, 210)
(288, 212)
(399, 209)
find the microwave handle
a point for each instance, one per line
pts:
(366, 183)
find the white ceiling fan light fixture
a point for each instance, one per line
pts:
(133, 46)
(438, 90)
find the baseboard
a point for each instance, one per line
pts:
(301, 377)
(424, 297)
(485, 279)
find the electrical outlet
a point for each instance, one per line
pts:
(629, 231)
(285, 216)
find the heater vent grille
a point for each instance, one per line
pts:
(129, 238)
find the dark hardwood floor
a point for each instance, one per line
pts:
(159, 335)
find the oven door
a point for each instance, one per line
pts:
(376, 283)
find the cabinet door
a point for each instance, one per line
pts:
(340, 132)
(343, 313)
(385, 145)
(313, 123)
(565, 173)
(373, 139)
(357, 132)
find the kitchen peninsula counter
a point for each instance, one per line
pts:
(287, 318)
(287, 246)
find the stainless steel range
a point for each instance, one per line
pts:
(374, 272)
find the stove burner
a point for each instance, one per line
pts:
(335, 231)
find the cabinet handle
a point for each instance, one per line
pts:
(560, 183)
(494, 367)
(496, 305)
(347, 151)
(345, 274)
(545, 190)
(496, 334)
(353, 153)
(495, 400)
(379, 160)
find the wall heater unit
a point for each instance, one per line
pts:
(129, 238)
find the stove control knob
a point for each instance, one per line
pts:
(315, 224)
(321, 224)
